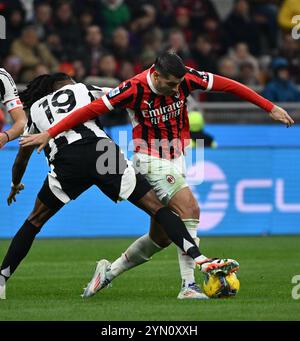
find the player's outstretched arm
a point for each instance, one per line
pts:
(18, 171)
(228, 85)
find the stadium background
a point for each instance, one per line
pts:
(251, 184)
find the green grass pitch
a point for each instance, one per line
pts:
(48, 284)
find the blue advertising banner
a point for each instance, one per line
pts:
(246, 191)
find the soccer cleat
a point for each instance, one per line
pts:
(217, 265)
(99, 280)
(2, 288)
(192, 291)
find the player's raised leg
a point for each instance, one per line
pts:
(145, 247)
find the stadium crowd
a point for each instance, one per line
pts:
(106, 41)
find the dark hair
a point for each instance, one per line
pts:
(169, 63)
(41, 86)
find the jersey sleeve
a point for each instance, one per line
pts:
(198, 80)
(210, 82)
(228, 85)
(9, 92)
(120, 97)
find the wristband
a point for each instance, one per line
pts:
(13, 185)
(4, 132)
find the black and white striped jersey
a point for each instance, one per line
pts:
(52, 108)
(8, 91)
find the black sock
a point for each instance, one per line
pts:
(177, 232)
(18, 249)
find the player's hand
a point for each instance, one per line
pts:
(40, 140)
(3, 139)
(279, 114)
(14, 191)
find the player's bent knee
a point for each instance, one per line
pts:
(36, 221)
(189, 212)
(40, 214)
(150, 203)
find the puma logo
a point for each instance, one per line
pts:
(148, 103)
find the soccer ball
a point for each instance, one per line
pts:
(221, 286)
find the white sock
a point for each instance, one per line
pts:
(200, 259)
(186, 263)
(139, 252)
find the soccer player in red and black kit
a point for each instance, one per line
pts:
(156, 102)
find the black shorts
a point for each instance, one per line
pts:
(85, 163)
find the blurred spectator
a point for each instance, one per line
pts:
(281, 88)
(183, 22)
(108, 66)
(86, 19)
(153, 40)
(197, 124)
(66, 26)
(114, 13)
(177, 43)
(240, 27)
(56, 47)
(6, 6)
(143, 22)
(198, 9)
(203, 55)
(40, 69)
(126, 71)
(42, 20)
(92, 50)
(213, 30)
(13, 65)
(228, 68)
(240, 55)
(288, 10)
(79, 71)
(120, 45)
(32, 52)
(247, 74)
(147, 58)
(92, 7)
(265, 14)
(15, 23)
(290, 50)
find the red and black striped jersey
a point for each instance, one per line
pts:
(160, 123)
